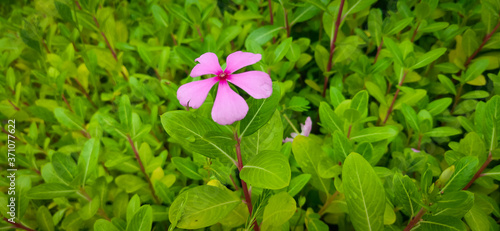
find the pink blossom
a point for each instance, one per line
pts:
(306, 130)
(228, 105)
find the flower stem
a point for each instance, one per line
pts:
(291, 124)
(415, 220)
(327, 203)
(18, 225)
(415, 32)
(143, 170)
(332, 46)
(478, 173)
(395, 97)
(378, 50)
(248, 198)
(271, 11)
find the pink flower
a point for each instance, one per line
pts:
(306, 130)
(228, 106)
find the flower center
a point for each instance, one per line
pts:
(223, 75)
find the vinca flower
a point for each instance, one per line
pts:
(306, 130)
(228, 105)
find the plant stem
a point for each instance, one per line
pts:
(271, 11)
(143, 170)
(327, 203)
(199, 32)
(415, 220)
(415, 32)
(349, 131)
(287, 24)
(66, 101)
(248, 198)
(485, 40)
(332, 46)
(395, 97)
(18, 225)
(89, 199)
(457, 98)
(379, 48)
(13, 105)
(291, 124)
(478, 173)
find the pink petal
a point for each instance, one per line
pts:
(306, 128)
(208, 64)
(288, 140)
(258, 84)
(239, 59)
(228, 106)
(195, 92)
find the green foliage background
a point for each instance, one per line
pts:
(403, 96)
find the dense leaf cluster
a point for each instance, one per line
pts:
(403, 96)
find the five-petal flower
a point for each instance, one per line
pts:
(228, 105)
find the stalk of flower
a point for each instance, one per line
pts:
(305, 128)
(228, 107)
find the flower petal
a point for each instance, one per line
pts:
(288, 139)
(228, 106)
(208, 64)
(306, 128)
(258, 84)
(195, 92)
(239, 59)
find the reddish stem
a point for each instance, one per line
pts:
(485, 40)
(395, 97)
(13, 105)
(18, 225)
(236, 188)
(378, 50)
(332, 46)
(66, 101)
(271, 11)
(287, 24)
(478, 173)
(349, 131)
(85, 93)
(457, 98)
(143, 170)
(46, 47)
(419, 141)
(248, 198)
(415, 32)
(415, 220)
(199, 32)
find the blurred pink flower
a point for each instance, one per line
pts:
(306, 130)
(228, 106)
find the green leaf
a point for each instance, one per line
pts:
(142, 219)
(64, 11)
(87, 162)
(336, 96)
(447, 84)
(364, 193)
(262, 35)
(304, 13)
(133, 206)
(475, 95)
(400, 25)
(455, 204)
(187, 168)
(433, 27)
(279, 209)
(357, 6)
(269, 169)
(329, 120)
(465, 168)
(494, 173)
(374, 134)
(360, 103)
(342, 146)
(189, 130)
(130, 183)
(104, 225)
(477, 219)
(440, 223)
(298, 103)
(411, 117)
(394, 49)
(259, 113)
(160, 15)
(475, 69)
(375, 91)
(179, 12)
(44, 219)
(470, 42)
(50, 191)
(68, 119)
(438, 106)
(282, 49)
(227, 35)
(428, 58)
(202, 206)
(298, 183)
(64, 166)
(90, 209)
(308, 154)
(269, 137)
(125, 112)
(406, 194)
(443, 132)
